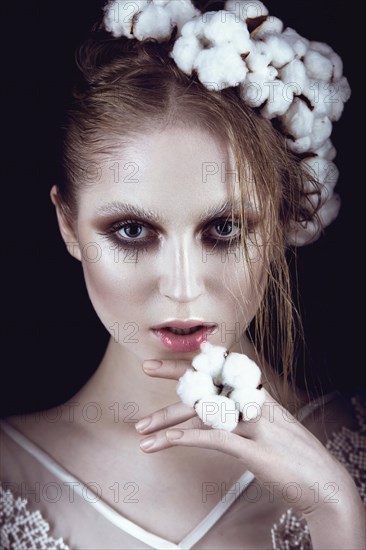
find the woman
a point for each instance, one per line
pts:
(180, 201)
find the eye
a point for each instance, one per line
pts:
(132, 230)
(226, 228)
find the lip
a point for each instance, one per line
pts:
(183, 343)
(183, 324)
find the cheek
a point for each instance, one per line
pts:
(115, 285)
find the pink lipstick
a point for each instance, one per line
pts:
(183, 336)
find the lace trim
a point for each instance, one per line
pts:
(349, 448)
(290, 533)
(21, 528)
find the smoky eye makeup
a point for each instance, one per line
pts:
(137, 235)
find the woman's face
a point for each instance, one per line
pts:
(155, 248)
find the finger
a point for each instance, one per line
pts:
(172, 370)
(165, 417)
(158, 441)
(219, 440)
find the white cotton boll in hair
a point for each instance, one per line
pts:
(246, 9)
(298, 43)
(219, 412)
(298, 121)
(210, 360)
(153, 22)
(330, 210)
(299, 146)
(322, 129)
(325, 171)
(293, 75)
(281, 50)
(318, 66)
(303, 234)
(181, 11)
(185, 52)
(222, 28)
(272, 25)
(194, 385)
(239, 370)
(220, 67)
(259, 57)
(337, 65)
(254, 91)
(249, 401)
(119, 16)
(320, 47)
(339, 93)
(327, 150)
(279, 99)
(194, 27)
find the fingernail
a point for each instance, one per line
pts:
(147, 443)
(144, 423)
(174, 434)
(152, 365)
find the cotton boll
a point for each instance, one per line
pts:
(222, 28)
(327, 150)
(185, 52)
(281, 50)
(194, 385)
(325, 171)
(210, 360)
(322, 129)
(279, 100)
(254, 91)
(259, 57)
(249, 401)
(272, 25)
(318, 66)
(298, 121)
(337, 65)
(220, 66)
(239, 370)
(339, 93)
(302, 235)
(294, 77)
(317, 93)
(330, 210)
(181, 11)
(119, 16)
(153, 22)
(246, 9)
(301, 145)
(298, 43)
(218, 411)
(194, 27)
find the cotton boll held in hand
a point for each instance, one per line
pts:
(219, 412)
(239, 371)
(249, 401)
(210, 360)
(194, 385)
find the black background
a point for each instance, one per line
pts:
(52, 339)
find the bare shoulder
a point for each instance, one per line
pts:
(44, 428)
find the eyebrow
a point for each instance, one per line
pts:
(122, 208)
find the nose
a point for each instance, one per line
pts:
(182, 269)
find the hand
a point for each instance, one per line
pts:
(275, 447)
